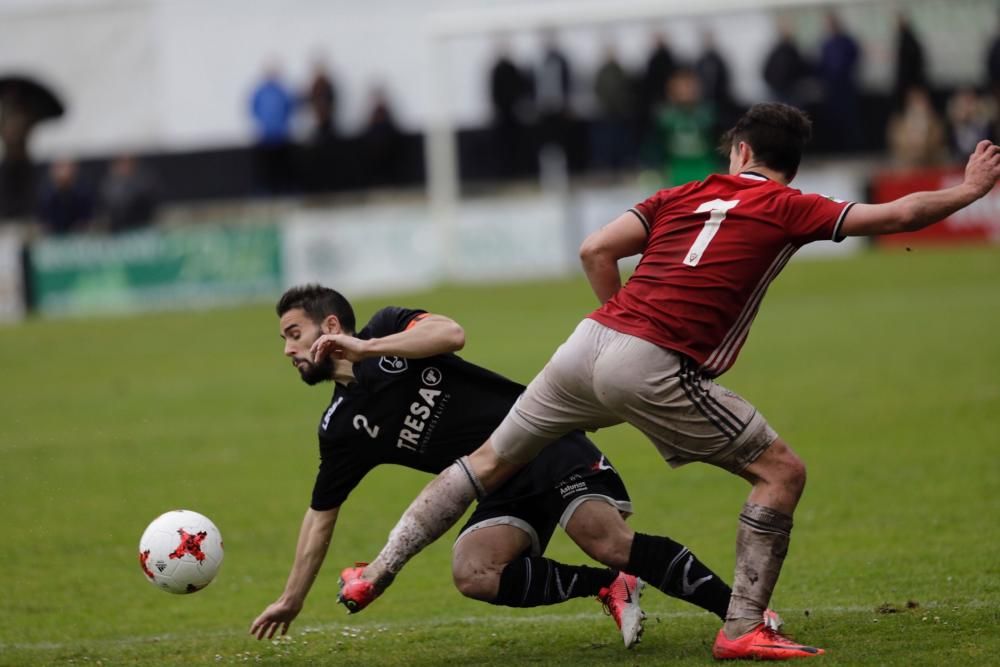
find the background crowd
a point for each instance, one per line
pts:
(664, 118)
(671, 113)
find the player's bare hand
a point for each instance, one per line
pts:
(339, 346)
(983, 170)
(278, 615)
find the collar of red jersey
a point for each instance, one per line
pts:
(754, 176)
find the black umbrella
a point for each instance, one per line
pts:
(23, 103)
(22, 94)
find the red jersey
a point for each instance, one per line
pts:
(714, 246)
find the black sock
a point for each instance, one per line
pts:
(673, 569)
(531, 581)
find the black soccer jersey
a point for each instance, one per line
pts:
(424, 414)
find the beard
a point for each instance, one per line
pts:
(316, 372)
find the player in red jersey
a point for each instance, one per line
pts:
(650, 353)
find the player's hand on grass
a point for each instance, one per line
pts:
(983, 170)
(339, 346)
(279, 614)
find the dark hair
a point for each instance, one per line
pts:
(776, 133)
(318, 302)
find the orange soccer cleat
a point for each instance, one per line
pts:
(761, 643)
(355, 593)
(621, 600)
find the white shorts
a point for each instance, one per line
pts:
(600, 377)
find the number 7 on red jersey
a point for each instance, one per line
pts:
(718, 209)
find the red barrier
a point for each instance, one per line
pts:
(978, 223)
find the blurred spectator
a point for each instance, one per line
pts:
(910, 65)
(993, 65)
(128, 195)
(970, 120)
(322, 100)
(382, 141)
(659, 68)
(319, 167)
(685, 129)
(611, 139)
(65, 205)
(785, 68)
(272, 105)
(916, 134)
(713, 76)
(838, 64)
(509, 90)
(553, 85)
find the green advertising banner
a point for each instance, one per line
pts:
(155, 269)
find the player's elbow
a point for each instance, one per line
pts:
(589, 248)
(455, 335)
(593, 252)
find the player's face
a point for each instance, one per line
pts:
(299, 333)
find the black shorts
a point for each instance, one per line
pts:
(539, 513)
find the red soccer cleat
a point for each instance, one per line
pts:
(621, 600)
(761, 643)
(355, 593)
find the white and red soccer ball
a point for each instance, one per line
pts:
(180, 552)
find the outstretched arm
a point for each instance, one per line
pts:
(600, 252)
(314, 540)
(426, 337)
(920, 209)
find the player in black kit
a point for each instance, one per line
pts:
(402, 396)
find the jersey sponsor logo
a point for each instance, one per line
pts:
(329, 412)
(415, 423)
(431, 376)
(573, 484)
(393, 364)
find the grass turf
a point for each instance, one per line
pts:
(881, 370)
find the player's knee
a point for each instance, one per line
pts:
(788, 469)
(797, 478)
(478, 583)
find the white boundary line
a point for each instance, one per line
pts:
(334, 630)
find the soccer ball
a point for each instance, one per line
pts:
(180, 552)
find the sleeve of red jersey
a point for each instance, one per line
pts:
(646, 210)
(816, 218)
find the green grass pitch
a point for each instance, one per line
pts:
(882, 370)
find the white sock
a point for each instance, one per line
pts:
(429, 516)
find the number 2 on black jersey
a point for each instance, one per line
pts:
(361, 422)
